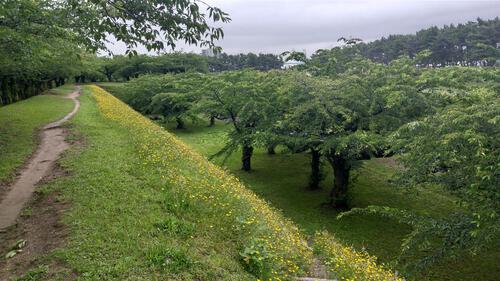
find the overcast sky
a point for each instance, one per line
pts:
(274, 26)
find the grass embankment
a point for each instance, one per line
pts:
(281, 179)
(18, 126)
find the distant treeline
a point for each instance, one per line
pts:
(122, 68)
(225, 62)
(474, 43)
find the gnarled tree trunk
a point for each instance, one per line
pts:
(341, 170)
(316, 176)
(246, 158)
(271, 149)
(180, 123)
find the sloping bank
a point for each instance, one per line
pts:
(207, 225)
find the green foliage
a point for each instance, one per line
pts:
(457, 149)
(225, 62)
(247, 99)
(169, 96)
(470, 44)
(170, 260)
(296, 56)
(45, 42)
(257, 259)
(122, 68)
(139, 22)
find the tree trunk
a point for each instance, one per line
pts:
(180, 123)
(212, 121)
(271, 149)
(315, 170)
(246, 158)
(13, 90)
(341, 170)
(2, 96)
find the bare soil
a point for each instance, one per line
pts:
(40, 223)
(52, 144)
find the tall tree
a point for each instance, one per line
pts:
(246, 100)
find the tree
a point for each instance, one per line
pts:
(246, 99)
(41, 42)
(172, 96)
(304, 120)
(171, 105)
(464, 44)
(456, 149)
(155, 24)
(293, 55)
(452, 144)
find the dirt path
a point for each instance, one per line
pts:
(52, 144)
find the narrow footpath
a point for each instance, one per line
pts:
(52, 144)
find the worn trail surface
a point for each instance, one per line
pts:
(52, 144)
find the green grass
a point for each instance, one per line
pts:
(63, 90)
(281, 179)
(119, 226)
(18, 125)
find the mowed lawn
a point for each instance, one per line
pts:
(282, 179)
(18, 128)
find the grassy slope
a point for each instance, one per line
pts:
(18, 124)
(118, 214)
(281, 179)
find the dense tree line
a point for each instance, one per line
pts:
(470, 44)
(43, 43)
(224, 62)
(122, 68)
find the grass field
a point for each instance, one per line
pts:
(18, 126)
(282, 178)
